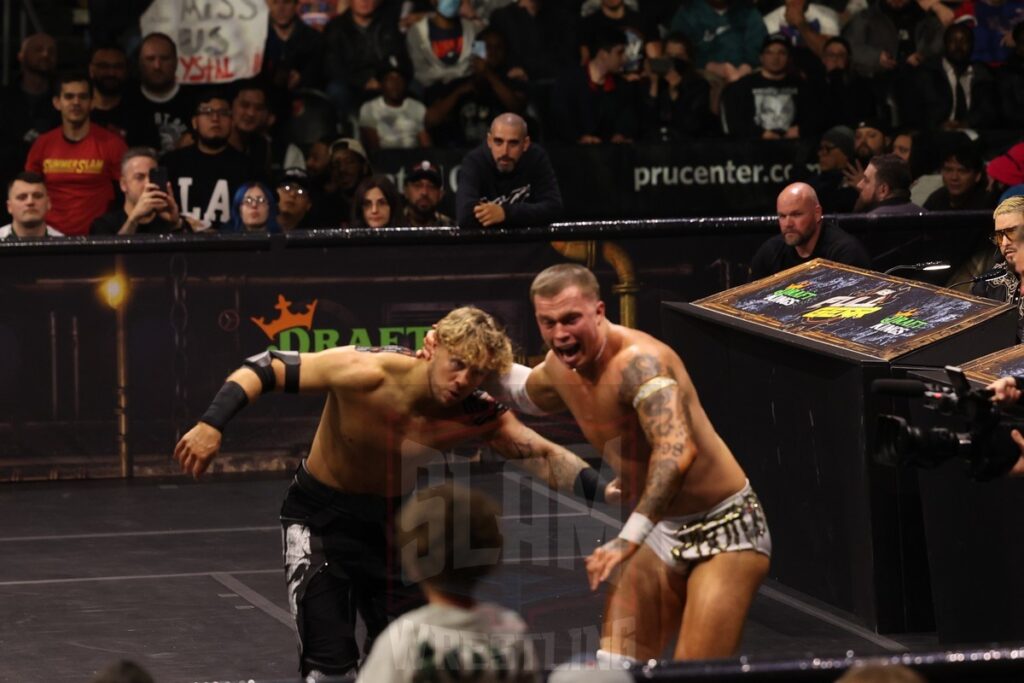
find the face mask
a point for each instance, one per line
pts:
(448, 8)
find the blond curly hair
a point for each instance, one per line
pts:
(475, 337)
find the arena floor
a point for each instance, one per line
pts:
(186, 579)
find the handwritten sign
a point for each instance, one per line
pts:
(218, 40)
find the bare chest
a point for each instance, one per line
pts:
(389, 432)
(609, 425)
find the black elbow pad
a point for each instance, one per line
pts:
(260, 364)
(291, 360)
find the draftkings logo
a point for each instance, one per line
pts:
(855, 307)
(791, 295)
(901, 323)
(294, 331)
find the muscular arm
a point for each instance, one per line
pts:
(333, 368)
(318, 372)
(525, 390)
(649, 386)
(556, 465)
(666, 424)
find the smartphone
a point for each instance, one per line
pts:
(158, 176)
(480, 49)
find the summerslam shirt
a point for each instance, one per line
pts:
(80, 175)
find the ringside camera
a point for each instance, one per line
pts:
(972, 428)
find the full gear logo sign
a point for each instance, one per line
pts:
(855, 307)
(294, 331)
(858, 310)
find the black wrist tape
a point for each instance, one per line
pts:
(590, 485)
(229, 400)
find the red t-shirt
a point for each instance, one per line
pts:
(80, 176)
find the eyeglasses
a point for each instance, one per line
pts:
(292, 189)
(255, 201)
(210, 111)
(1007, 234)
(826, 148)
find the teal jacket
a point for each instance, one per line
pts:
(734, 36)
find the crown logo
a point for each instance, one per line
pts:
(909, 313)
(286, 319)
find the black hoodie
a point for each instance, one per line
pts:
(529, 193)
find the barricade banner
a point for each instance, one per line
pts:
(191, 309)
(218, 40)
(607, 182)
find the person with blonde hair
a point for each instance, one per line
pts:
(1002, 281)
(387, 414)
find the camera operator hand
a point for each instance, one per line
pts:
(1018, 469)
(1006, 392)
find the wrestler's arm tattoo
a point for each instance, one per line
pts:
(666, 422)
(555, 464)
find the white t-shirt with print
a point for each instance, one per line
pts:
(398, 127)
(486, 643)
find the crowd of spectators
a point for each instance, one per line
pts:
(863, 78)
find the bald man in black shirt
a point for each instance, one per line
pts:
(804, 237)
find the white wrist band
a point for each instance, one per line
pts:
(636, 528)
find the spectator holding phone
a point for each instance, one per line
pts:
(149, 206)
(462, 115)
(676, 101)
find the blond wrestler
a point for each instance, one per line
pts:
(386, 413)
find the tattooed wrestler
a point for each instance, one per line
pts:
(386, 413)
(692, 553)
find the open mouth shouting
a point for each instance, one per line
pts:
(570, 354)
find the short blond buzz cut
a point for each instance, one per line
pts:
(1010, 205)
(556, 279)
(475, 337)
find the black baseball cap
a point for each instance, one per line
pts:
(876, 123)
(294, 176)
(424, 169)
(776, 38)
